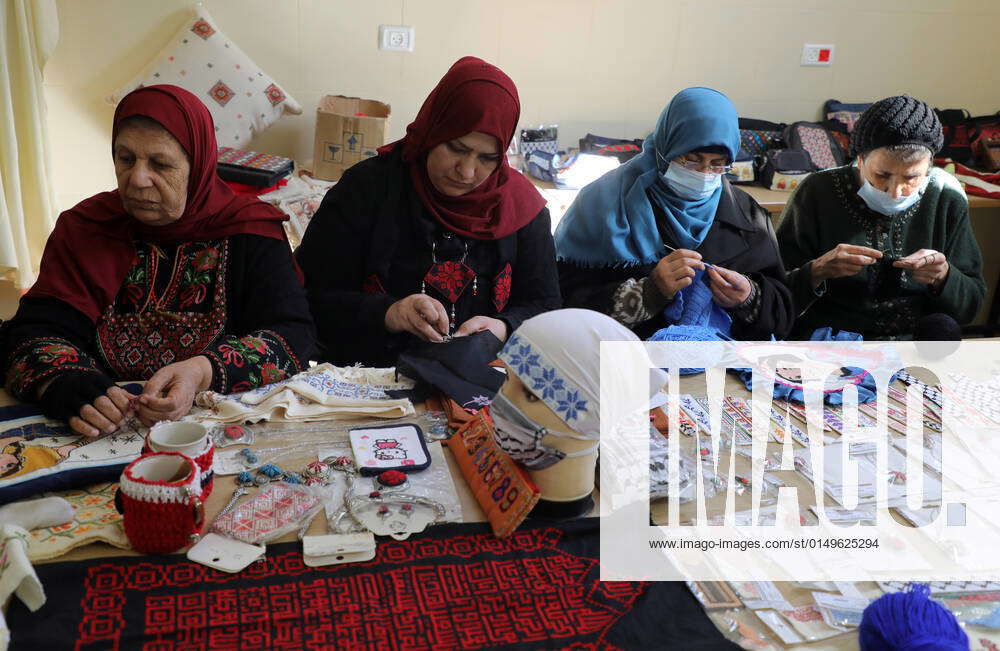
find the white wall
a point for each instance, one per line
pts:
(605, 66)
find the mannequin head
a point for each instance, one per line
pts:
(553, 372)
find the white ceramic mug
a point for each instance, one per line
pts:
(158, 468)
(188, 438)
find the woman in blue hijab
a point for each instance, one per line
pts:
(668, 224)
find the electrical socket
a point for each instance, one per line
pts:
(395, 37)
(817, 55)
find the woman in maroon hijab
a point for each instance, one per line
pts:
(171, 278)
(436, 236)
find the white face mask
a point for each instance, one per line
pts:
(884, 204)
(690, 184)
(521, 438)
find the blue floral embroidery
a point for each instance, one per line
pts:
(571, 404)
(564, 397)
(342, 389)
(549, 384)
(522, 359)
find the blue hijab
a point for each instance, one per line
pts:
(612, 222)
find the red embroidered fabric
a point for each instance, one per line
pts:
(501, 288)
(141, 332)
(373, 285)
(450, 278)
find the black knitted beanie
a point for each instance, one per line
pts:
(899, 120)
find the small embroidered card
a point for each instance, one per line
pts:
(274, 511)
(389, 447)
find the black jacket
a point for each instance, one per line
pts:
(741, 238)
(370, 244)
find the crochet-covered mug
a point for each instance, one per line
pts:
(160, 497)
(190, 439)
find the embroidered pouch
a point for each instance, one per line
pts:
(502, 488)
(815, 139)
(271, 513)
(389, 447)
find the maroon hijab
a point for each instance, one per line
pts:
(472, 96)
(91, 247)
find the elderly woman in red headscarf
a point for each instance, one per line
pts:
(172, 278)
(437, 236)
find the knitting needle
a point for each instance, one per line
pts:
(673, 250)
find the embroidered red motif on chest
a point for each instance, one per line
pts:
(450, 278)
(373, 285)
(501, 288)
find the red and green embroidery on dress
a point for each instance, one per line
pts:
(244, 363)
(145, 329)
(37, 359)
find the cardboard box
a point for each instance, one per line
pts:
(348, 130)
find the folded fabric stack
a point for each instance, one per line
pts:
(321, 393)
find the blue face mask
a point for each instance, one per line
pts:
(689, 184)
(882, 203)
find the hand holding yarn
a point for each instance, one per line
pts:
(676, 271)
(169, 394)
(105, 414)
(842, 260)
(419, 315)
(729, 288)
(926, 266)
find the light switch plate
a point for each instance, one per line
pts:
(817, 54)
(396, 37)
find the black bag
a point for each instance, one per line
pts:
(623, 150)
(845, 114)
(744, 169)
(783, 169)
(758, 136)
(960, 132)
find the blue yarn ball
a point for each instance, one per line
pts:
(910, 621)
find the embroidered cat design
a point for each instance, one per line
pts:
(389, 449)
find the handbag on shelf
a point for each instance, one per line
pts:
(784, 169)
(845, 114)
(816, 141)
(759, 136)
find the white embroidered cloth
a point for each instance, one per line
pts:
(321, 393)
(17, 576)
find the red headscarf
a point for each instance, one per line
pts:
(91, 247)
(472, 96)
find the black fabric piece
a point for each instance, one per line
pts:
(897, 120)
(550, 511)
(741, 238)
(369, 245)
(458, 368)
(455, 586)
(262, 292)
(69, 392)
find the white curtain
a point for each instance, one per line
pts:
(29, 30)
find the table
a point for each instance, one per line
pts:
(225, 485)
(472, 513)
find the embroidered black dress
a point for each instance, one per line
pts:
(372, 242)
(236, 300)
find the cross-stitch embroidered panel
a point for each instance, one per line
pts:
(39, 454)
(95, 519)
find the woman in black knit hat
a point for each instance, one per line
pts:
(874, 246)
